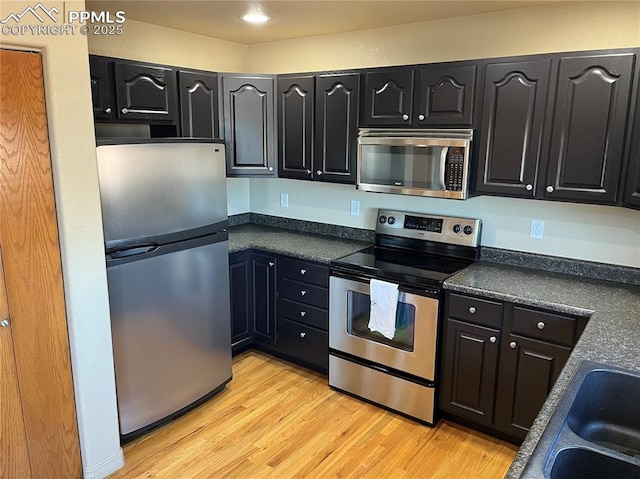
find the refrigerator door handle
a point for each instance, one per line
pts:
(132, 250)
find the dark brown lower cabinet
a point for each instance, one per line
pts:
(240, 313)
(262, 298)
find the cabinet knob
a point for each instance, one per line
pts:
(529, 187)
(472, 310)
(303, 292)
(308, 172)
(4, 323)
(512, 345)
(420, 117)
(303, 334)
(303, 271)
(124, 111)
(271, 264)
(540, 325)
(271, 168)
(405, 117)
(107, 110)
(303, 314)
(493, 339)
(318, 172)
(549, 189)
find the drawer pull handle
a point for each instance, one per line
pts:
(303, 271)
(512, 345)
(303, 314)
(540, 325)
(303, 334)
(472, 310)
(303, 292)
(493, 339)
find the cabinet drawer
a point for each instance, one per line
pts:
(305, 293)
(475, 310)
(304, 271)
(305, 314)
(541, 325)
(304, 342)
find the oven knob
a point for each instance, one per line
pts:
(468, 230)
(391, 220)
(457, 228)
(382, 219)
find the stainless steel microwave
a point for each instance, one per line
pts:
(415, 162)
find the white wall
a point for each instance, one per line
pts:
(238, 196)
(73, 157)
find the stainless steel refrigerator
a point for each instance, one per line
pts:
(164, 211)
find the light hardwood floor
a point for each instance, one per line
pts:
(277, 420)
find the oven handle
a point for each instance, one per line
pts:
(429, 292)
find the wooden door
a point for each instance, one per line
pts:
(296, 104)
(589, 127)
(33, 272)
(469, 371)
(198, 92)
(445, 95)
(337, 99)
(249, 125)
(513, 113)
(263, 298)
(388, 97)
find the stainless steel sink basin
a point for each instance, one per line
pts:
(606, 411)
(595, 429)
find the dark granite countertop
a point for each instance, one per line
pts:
(612, 335)
(313, 247)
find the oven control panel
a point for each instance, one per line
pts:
(443, 229)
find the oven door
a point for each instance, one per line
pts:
(413, 348)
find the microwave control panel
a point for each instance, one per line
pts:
(455, 169)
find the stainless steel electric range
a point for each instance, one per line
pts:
(396, 369)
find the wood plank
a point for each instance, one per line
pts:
(277, 420)
(33, 272)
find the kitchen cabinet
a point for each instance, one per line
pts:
(440, 94)
(632, 178)
(514, 103)
(240, 288)
(248, 106)
(198, 93)
(102, 99)
(262, 297)
(318, 127)
(500, 361)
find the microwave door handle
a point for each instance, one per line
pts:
(443, 165)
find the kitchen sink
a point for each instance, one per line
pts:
(595, 429)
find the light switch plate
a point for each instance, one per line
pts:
(284, 200)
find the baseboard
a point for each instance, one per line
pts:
(105, 467)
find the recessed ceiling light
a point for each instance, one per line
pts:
(256, 18)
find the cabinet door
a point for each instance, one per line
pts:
(513, 112)
(528, 370)
(296, 103)
(589, 127)
(337, 99)
(469, 371)
(249, 125)
(240, 290)
(444, 95)
(632, 186)
(263, 298)
(198, 104)
(145, 92)
(388, 97)
(101, 96)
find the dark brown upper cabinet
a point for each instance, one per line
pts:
(444, 95)
(514, 105)
(632, 187)
(145, 92)
(589, 126)
(318, 127)
(249, 124)
(101, 98)
(198, 92)
(441, 94)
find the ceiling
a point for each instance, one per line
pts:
(295, 19)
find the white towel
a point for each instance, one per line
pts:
(384, 302)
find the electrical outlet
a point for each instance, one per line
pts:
(537, 229)
(284, 200)
(355, 208)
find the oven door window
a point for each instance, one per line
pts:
(403, 166)
(358, 311)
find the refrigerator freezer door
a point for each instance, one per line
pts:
(155, 189)
(171, 331)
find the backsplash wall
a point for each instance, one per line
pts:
(605, 234)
